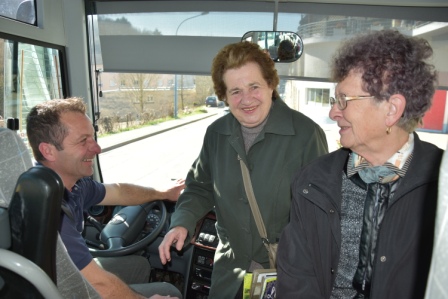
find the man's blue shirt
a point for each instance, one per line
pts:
(85, 193)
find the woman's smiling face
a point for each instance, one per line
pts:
(248, 94)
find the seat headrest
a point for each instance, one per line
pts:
(14, 160)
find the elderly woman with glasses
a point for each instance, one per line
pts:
(362, 217)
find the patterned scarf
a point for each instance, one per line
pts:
(395, 167)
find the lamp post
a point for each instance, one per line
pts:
(175, 76)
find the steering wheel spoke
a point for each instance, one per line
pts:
(114, 243)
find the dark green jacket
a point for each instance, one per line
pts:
(288, 141)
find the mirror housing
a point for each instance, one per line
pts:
(282, 46)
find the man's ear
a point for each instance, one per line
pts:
(47, 150)
(395, 109)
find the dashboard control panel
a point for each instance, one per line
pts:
(207, 235)
(205, 243)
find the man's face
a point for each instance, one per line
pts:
(75, 161)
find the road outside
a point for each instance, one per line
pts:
(158, 159)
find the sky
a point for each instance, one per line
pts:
(211, 24)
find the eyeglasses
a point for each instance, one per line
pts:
(342, 99)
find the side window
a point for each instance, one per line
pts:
(19, 10)
(318, 96)
(29, 74)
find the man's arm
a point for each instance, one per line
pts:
(107, 284)
(129, 194)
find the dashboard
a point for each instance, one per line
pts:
(205, 242)
(194, 264)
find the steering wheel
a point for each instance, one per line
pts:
(125, 227)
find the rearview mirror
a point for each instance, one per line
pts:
(282, 46)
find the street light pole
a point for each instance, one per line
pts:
(175, 76)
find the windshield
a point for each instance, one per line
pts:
(175, 89)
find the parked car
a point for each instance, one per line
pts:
(212, 101)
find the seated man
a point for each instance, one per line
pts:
(62, 138)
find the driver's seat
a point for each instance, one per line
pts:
(33, 259)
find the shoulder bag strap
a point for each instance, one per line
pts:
(252, 202)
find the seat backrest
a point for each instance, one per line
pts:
(32, 196)
(438, 275)
(28, 268)
(34, 217)
(71, 283)
(14, 160)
